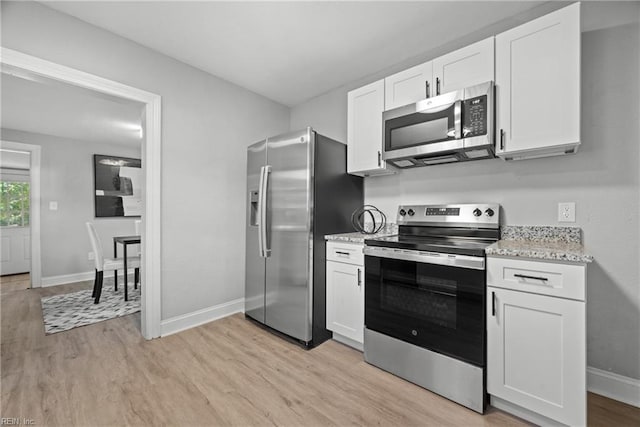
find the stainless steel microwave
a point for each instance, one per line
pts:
(453, 127)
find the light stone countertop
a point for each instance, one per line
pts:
(357, 237)
(540, 242)
(555, 251)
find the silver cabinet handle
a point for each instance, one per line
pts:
(359, 277)
(427, 89)
(342, 253)
(379, 159)
(437, 85)
(501, 139)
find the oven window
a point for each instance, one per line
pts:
(431, 300)
(419, 129)
(436, 307)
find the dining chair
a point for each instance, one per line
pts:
(138, 226)
(103, 264)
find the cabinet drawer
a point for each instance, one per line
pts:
(538, 277)
(350, 253)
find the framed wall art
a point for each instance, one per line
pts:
(118, 182)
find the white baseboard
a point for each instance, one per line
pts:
(614, 386)
(348, 341)
(73, 278)
(67, 278)
(523, 413)
(200, 317)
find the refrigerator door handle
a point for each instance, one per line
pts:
(264, 224)
(260, 213)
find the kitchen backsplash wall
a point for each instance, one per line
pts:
(602, 178)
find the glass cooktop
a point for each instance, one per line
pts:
(448, 245)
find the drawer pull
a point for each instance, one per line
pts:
(493, 304)
(343, 253)
(523, 276)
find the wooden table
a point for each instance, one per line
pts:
(124, 241)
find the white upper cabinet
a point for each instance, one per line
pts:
(538, 86)
(469, 66)
(364, 130)
(409, 86)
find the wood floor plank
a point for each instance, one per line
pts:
(226, 373)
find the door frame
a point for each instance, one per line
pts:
(151, 160)
(35, 272)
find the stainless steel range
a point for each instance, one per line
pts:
(425, 298)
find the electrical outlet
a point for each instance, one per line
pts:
(91, 256)
(567, 212)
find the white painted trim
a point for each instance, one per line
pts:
(151, 160)
(523, 413)
(67, 278)
(200, 317)
(348, 341)
(63, 279)
(614, 386)
(35, 152)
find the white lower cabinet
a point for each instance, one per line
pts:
(345, 293)
(536, 343)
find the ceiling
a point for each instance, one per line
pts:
(40, 105)
(291, 52)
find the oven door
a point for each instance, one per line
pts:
(429, 126)
(435, 301)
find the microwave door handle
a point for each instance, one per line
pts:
(457, 119)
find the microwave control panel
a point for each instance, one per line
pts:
(474, 119)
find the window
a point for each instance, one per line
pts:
(14, 203)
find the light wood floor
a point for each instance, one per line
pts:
(15, 282)
(228, 372)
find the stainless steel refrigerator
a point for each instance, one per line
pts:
(297, 192)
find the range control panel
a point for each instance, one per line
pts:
(473, 214)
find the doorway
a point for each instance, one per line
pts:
(17, 63)
(15, 201)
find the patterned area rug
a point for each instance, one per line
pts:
(68, 311)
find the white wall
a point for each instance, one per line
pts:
(207, 123)
(602, 179)
(67, 178)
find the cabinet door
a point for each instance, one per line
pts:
(538, 84)
(364, 129)
(408, 86)
(469, 66)
(345, 300)
(536, 353)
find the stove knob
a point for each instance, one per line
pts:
(489, 212)
(402, 212)
(477, 212)
(411, 212)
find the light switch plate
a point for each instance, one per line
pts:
(53, 206)
(567, 212)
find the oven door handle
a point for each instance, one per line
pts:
(463, 261)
